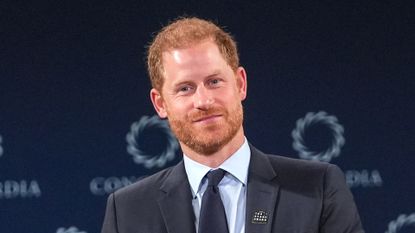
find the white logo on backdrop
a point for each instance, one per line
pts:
(102, 185)
(10, 189)
(136, 135)
(1, 146)
(323, 118)
(71, 229)
(355, 178)
(364, 178)
(401, 222)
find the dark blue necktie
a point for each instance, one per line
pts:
(212, 217)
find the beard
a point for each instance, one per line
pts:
(207, 139)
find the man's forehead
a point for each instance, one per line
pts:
(185, 44)
(206, 47)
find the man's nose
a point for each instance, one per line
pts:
(203, 98)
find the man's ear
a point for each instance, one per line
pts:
(158, 103)
(241, 82)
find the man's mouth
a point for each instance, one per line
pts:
(207, 118)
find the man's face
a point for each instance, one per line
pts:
(201, 97)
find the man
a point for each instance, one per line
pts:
(198, 86)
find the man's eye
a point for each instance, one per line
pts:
(184, 89)
(214, 81)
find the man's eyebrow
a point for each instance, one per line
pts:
(182, 83)
(214, 74)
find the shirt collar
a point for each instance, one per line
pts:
(236, 165)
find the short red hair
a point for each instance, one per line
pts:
(183, 33)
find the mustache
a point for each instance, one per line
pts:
(200, 114)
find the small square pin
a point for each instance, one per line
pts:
(260, 217)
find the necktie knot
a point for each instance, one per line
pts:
(215, 176)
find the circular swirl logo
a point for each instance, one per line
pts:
(1, 146)
(136, 140)
(323, 118)
(402, 221)
(71, 229)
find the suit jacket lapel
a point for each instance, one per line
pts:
(175, 202)
(262, 194)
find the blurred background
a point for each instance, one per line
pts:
(328, 80)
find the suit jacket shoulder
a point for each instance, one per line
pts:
(144, 188)
(159, 203)
(302, 196)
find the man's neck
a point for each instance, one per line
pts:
(216, 159)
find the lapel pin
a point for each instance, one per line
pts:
(260, 217)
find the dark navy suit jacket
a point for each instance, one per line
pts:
(296, 196)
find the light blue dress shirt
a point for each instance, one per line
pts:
(232, 187)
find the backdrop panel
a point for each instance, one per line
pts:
(330, 81)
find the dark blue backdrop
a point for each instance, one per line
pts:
(73, 85)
